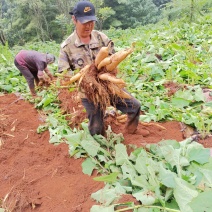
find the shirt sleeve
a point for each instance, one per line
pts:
(63, 61)
(108, 42)
(41, 65)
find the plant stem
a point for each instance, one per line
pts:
(145, 206)
(97, 162)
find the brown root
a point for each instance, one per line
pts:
(115, 90)
(111, 78)
(94, 90)
(118, 57)
(102, 54)
(73, 79)
(102, 88)
(99, 91)
(153, 124)
(104, 62)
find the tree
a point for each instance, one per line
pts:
(187, 9)
(161, 3)
(131, 13)
(104, 14)
(26, 20)
(2, 38)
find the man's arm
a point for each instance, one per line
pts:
(63, 61)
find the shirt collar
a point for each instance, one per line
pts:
(94, 43)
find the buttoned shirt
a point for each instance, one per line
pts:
(75, 55)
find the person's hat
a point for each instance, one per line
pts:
(84, 11)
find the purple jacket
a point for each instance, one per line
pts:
(32, 60)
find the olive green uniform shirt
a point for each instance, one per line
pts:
(75, 55)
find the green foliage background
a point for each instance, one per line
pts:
(167, 51)
(23, 21)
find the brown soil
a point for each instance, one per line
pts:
(38, 176)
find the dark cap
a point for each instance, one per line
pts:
(84, 11)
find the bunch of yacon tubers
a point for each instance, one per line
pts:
(98, 81)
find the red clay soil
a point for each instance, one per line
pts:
(38, 176)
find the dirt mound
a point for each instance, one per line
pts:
(38, 176)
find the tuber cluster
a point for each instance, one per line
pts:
(98, 81)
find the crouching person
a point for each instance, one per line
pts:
(32, 64)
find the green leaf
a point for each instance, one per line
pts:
(134, 77)
(111, 178)
(128, 171)
(168, 194)
(146, 197)
(54, 136)
(172, 156)
(149, 58)
(121, 154)
(98, 208)
(74, 138)
(199, 155)
(180, 103)
(172, 205)
(42, 128)
(184, 193)
(88, 166)
(190, 74)
(175, 46)
(167, 177)
(142, 163)
(90, 146)
(14, 81)
(209, 104)
(141, 181)
(106, 195)
(198, 95)
(53, 121)
(184, 94)
(147, 118)
(206, 170)
(7, 88)
(203, 202)
(47, 101)
(3, 57)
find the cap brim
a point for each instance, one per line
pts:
(86, 19)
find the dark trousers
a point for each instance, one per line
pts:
(131, 107)
(30, 76)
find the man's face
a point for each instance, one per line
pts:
(84, 30)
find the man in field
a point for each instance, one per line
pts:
(79, 50)
(32, 64)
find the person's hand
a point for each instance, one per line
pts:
(50, 75)
(43, 80)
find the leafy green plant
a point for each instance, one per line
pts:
(158, 177)
(5, 54)
(164, 173)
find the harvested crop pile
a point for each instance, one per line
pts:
(98, 81)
